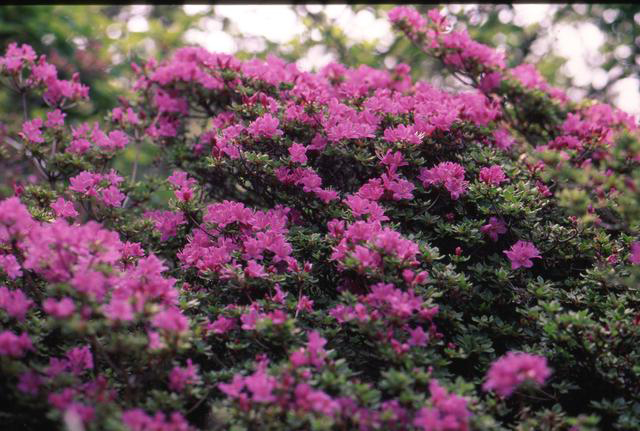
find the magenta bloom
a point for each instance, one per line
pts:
(171, 320)
(513, 369)
(449, 411)
(265, 127)
(521, 254)
(493, 175)
(448, 174)
(179, 377)
(298, 153)
(494, 228)
(64, 208)
(14, 302)
(634, 257)
(31, 131)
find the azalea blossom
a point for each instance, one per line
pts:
(521, 253)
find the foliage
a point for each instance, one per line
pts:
(347, 249)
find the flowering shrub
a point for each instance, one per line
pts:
(345, 249)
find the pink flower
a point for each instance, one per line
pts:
(261, 386)
(85, 183)
(15, 219)
(521, 254)
(543, 189)
(15, 55)
(494, 228)
(417, 337)
(221, 325)
(15, 302)
(513, 369)
(449, 411)
(118, 310)
(31, 131)
(29, 382)
(493, 175)
(265, 126)
(408, 14)
(117, 140)
(138, 420)
(14, 345)
(180, 377)
(448, 174)
(167, 222)
(234, 388)
(55, 118)
(79, 146)
(9, 264)
(80, 359)
(179, 179)
(502, 139)
(315, 400)
(111, 196)
(298, 153)
(490, 81)
(171, 320)
(403, 133)
(64, 208)
(305, 304)
(634, 256)
(255, 270)
(60, 309)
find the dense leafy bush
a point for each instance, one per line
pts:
(342, 250)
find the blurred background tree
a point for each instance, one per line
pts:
(606, 36)
(97, 41)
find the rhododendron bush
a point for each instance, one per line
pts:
(342, 250)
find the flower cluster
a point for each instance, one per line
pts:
(513, 369)
(238, 242)
(103, 187)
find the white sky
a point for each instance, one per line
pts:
(278, 23)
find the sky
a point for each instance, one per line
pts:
(578, 43)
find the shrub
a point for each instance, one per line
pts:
(345, 249)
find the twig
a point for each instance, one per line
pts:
(24, 105)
